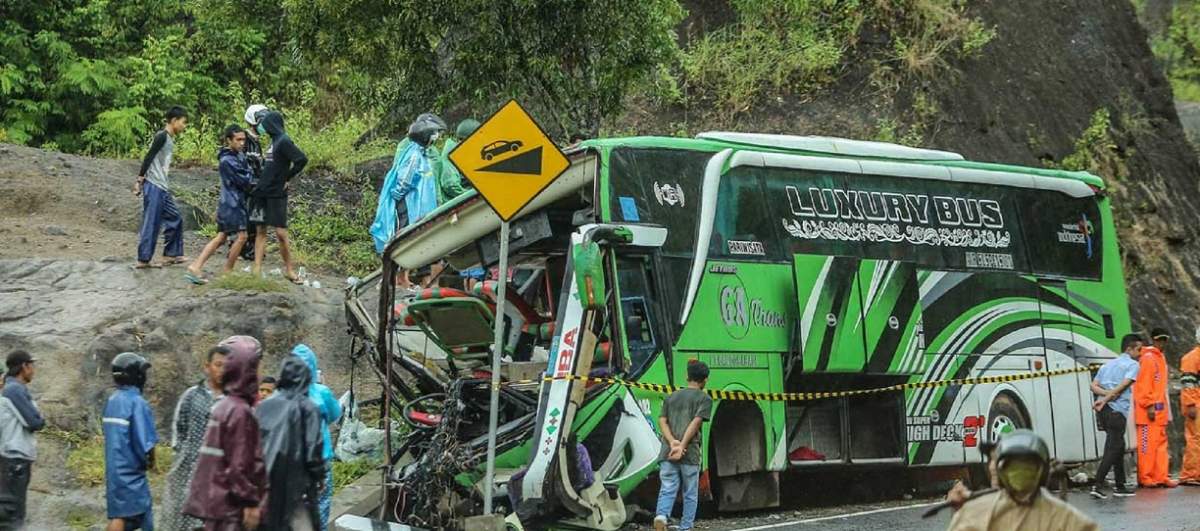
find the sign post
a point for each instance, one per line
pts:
(509, 160)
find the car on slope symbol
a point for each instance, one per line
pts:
(499, 147)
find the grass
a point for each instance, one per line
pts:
(237, 281)
(85, 457)
(78, 518)
(347, 472)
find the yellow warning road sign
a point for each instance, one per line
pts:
(509, 160)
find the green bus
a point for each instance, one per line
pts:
(787, 264)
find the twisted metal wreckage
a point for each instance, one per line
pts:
(429, 358)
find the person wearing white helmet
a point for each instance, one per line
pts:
(255, 158)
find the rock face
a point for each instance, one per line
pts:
(1032, 93)
(76, 316)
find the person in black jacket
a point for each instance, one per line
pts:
(270, 196)
(291, 440)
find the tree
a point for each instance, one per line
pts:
(570, 61)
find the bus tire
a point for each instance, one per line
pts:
(1005, 415)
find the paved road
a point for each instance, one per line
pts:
(1150, 510)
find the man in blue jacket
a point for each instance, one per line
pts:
(19, 419)
(232, 217)
(129, 440)
(331, 412)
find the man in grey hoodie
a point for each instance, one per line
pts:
(19, 419)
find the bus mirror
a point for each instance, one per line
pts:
(589, 275)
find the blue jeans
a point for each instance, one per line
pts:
(325, 504)
(159, 213)
(670, 475)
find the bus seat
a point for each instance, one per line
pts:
(487, 290)
(401, 315)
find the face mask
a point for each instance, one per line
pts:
(260, 129)
(1021, 477)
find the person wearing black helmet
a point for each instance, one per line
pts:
(1022, 502)
(129, 440)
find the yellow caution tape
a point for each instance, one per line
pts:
(801, 397)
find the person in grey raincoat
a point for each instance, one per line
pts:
(190, 425)
(230, 480)
(292, 448)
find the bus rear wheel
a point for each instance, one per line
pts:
(1005, 415)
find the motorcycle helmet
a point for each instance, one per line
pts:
(255, 113)
(129, 368)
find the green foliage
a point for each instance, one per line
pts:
(117, 132)
(792, 46)
(331, 236)
(1093, 144)
(1097, 150)
(247, 282)
(574, 60)
(94, 76)
(1179, 50)
(776, 45)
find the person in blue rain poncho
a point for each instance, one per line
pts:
(410, 189)
(129, 440)
(331, 412)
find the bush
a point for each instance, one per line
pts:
(788, 46)
(331, 236)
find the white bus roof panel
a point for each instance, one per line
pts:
(832, 145)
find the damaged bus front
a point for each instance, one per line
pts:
(569, 450)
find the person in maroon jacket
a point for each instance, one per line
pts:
(231, 479)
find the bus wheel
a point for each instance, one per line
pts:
(1004, 416)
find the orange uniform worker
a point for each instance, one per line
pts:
(1152, 412)
(1189, 400)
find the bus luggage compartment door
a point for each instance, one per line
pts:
(891, 317)
(830, 309)
(1067, 348)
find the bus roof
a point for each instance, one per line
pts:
(831, 147)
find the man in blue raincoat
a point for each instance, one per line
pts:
(129, 440)
(410, 183)
(331, 412)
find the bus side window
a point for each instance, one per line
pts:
(637, 305)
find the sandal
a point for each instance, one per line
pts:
(195, 279)
(174, 260)
(147, 265)
(294, 279)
